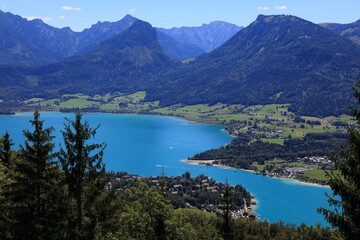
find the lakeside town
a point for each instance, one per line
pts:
(201, 192)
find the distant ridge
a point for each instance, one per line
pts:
(351, 30)
(207, 37)
(35, 43)
(21, 40)
(176, 50)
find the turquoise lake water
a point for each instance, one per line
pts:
(147, 145)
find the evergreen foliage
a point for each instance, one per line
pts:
(82, 168)
(246, 149)
(346, 184)
(227, 229)
(41, 200)
(5, 149)
(36, 193)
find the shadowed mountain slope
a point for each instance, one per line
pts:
(276, 59)
(127, 62)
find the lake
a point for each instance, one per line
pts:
(152, 145)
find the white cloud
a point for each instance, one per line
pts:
(131, 10)
(69, 8)
(283, 7)
(263, 8)
(45, 19)
(61, 17)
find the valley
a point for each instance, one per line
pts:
(270, 124)
(270, 108)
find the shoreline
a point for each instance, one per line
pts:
(204, 162)
(210, 164)
(31, 109)
(198, 121)
(188, 161)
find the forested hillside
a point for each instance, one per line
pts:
(276, 59)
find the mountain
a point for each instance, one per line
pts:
(351, 30)
(130, 61)
(207, 37)
(32, 42)
(276, 59)
(176, 50)
(35, 43)
(101, 31)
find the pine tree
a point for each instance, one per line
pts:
(346, 184)
(227, 228)
(5, 150)
(5, 204)
(37, 193)
(83, 169)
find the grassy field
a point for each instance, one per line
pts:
(313, 174)
(78, 103)
(316, 174)
(274, 122)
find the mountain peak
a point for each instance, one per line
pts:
(129, 17)
(140, 31)
(277, 18)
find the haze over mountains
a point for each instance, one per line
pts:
(208, 36)
(35, 43)
(276, 59)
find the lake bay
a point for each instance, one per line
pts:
(152, 145)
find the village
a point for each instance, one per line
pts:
(201, 192)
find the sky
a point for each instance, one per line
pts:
(81, 14)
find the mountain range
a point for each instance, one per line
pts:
(35, 43)
(207, 37)
(276, 59)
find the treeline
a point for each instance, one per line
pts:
(61, 195)
(52, 195)
(246, 149)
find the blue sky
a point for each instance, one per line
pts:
(80, 14)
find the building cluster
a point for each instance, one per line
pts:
(201, 192)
